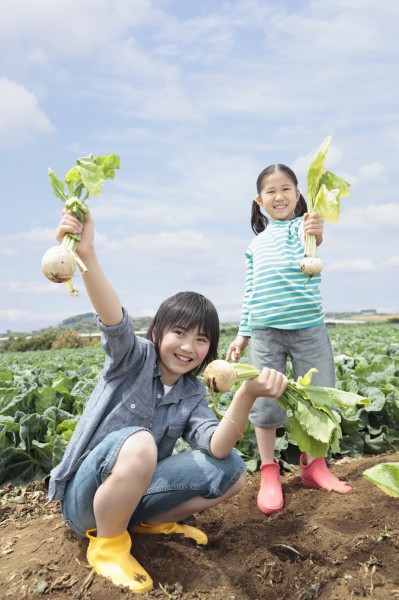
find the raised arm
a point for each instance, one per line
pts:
(102, 295)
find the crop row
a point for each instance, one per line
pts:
(42, 395)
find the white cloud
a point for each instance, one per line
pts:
(20, 114)
(373, 172)
(370, 217)
(393, 261)
(180, 247)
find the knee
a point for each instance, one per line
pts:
(138, 454)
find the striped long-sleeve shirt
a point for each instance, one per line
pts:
(277, 293)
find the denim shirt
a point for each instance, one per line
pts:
(130, 392)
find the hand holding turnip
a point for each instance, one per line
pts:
(313, 226)
(70, 224)
(269, 382)
(87, 177)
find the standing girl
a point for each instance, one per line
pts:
(282, 314)
(118, 473)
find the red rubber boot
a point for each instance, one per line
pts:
(270, 496)
(317, 476)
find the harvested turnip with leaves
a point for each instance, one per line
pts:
(324, 191)
(311, 422)
(85, 179)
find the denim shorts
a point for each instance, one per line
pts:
(177, 478)
(308, 348)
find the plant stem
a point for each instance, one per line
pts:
(70, 244)
(310, 245)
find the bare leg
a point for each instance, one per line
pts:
(266, 439)
(117, 498)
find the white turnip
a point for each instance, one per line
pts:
(220, 376)
(311, 265)
(58, 264)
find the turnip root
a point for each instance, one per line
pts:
(58, 264)
(220, 376)
(311, 265)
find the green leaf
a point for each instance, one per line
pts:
(324, 396)
(324, 188)
(306, 442)
(57, 185)
(315, 172)
(386, 477)
(88, 174)
(317, 423)
(93, 172)
(307, 378)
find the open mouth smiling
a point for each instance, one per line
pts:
(184, 359)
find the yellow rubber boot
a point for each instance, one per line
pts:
(169, 528)
(110, 557)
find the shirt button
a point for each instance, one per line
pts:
(159, 396)
(132, 406)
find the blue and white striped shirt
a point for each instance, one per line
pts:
(277, 293)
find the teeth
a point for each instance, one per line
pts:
(184, 358)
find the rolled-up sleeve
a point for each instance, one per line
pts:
(200, 427)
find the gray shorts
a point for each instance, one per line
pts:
(307, 348)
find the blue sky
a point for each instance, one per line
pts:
(196, 97)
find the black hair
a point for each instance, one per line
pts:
(259, 220)
(189, 310)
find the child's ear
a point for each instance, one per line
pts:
(258, 200)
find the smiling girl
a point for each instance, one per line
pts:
(119, 475)
(283, 317)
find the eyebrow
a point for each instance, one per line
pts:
(185, 328)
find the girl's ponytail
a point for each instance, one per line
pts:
(301, 207)
(259, 221)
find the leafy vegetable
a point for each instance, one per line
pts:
(85, 179)
(311, 423)
(324, 191)
(386, 477)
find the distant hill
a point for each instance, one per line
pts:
(85, 322)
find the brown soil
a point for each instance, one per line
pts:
(323, 545)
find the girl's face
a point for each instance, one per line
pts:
(180, 351)
(279, 196)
